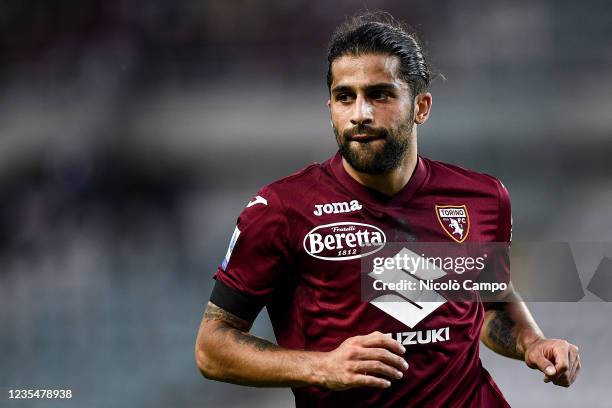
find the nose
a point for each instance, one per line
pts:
(362, 112)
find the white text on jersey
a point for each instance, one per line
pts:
(336, 208)
(423, 336)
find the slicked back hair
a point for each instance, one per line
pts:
(380, 33)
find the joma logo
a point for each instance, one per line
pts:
(336, 208)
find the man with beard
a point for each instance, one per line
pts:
(299, 243)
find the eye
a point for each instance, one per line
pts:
(379, 95)
(344, 97)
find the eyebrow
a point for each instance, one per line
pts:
(367, 88)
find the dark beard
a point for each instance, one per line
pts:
(382, 161)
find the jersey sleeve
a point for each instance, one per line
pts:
(498, 267)
(257, 258)
(504, 225)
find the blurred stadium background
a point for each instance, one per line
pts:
(133, 133)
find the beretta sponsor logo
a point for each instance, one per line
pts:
(344, 240)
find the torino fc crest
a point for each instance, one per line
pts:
(455, 220)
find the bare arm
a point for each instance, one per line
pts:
(509, 329)
(225, 351)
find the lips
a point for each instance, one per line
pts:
(364, 137)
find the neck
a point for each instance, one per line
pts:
(389, 183)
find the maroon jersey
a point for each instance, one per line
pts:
(285, 255)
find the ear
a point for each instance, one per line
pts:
(329, 104)
(422, 107)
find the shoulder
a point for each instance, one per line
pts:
(308, 175)
(276, 197)
(453, 177)
(287, 188)
(449, 179)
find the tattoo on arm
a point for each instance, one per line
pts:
(500, 330)
(236, 327)
(214, 312)
(254, 341)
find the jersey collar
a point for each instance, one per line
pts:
(369, 195)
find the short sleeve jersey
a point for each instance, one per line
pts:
(310, 283)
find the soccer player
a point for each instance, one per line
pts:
(294, 251)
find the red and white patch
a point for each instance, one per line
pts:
(455, 221)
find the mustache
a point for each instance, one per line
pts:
(365, 130)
